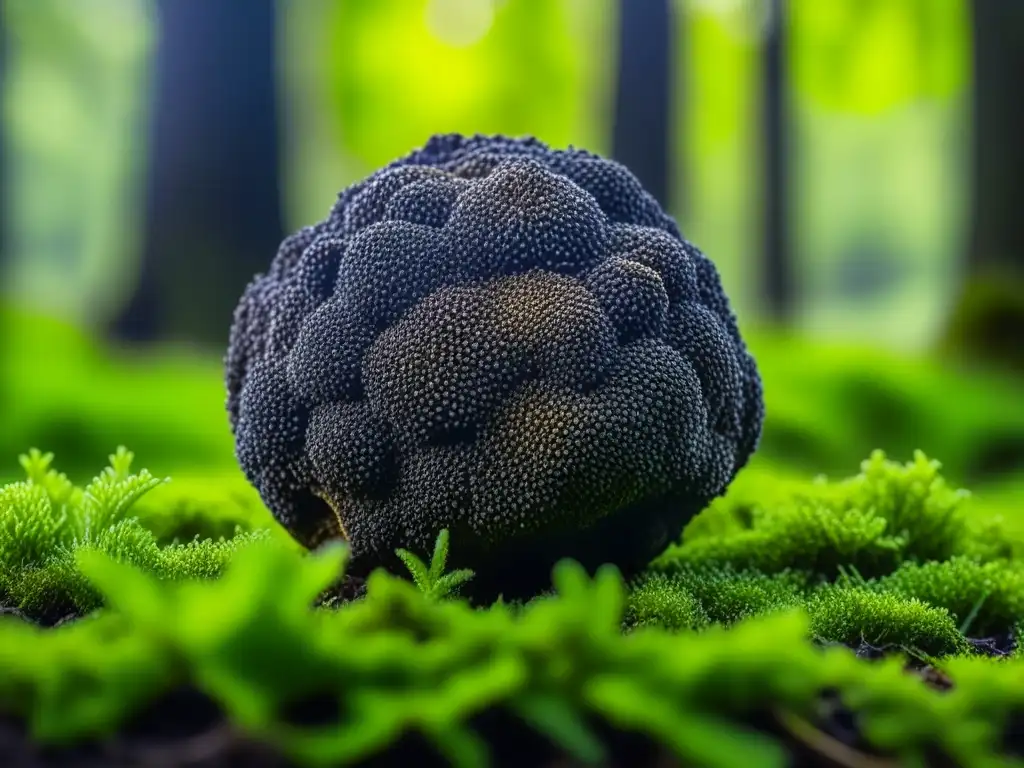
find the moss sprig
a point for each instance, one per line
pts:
(432, 579)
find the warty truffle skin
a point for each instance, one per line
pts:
(492, 336)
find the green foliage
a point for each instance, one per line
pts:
(827, 416)
(848, 612)
(693, 596)
(891, 557)
(47, 512)
(80, 680)
(400, 661)
(984, 598)
(458, 66)
(432, 580)
(850, 615)
(208, 506)
(46, 519)
(714, 642)
(866, 56)
(888, 514)
(662, 601)
(231, 623)
(62, 388)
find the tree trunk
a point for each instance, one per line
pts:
(778, 273)
(997, 240)
(987, 320)
(213, 188)
(5, 261)
(643, 96)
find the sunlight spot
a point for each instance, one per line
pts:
(460, 23)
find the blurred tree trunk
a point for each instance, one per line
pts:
(987, 321)
(643, 94)
(6, 401)
(213, 188)
(4, 174)
(998, 235)
(777, 257)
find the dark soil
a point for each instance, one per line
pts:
(344, 591)
(183, 728)
(348, 589)
(49, 619)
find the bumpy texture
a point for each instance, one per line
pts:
(502, 339)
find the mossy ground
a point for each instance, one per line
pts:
(871, 619)
(804, 623)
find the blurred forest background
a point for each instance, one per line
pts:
(855, 169)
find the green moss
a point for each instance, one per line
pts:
(888, 514)
(659, 600)
(720, 595)
(721, 633)
(851, 615)
(46, 519)
(208, 506)
(983, 598)
(400, 662)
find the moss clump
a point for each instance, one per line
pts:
(888, 514)
(45, 520)
(892, 556)
(719, 595)
(853, 615)
(659, 600)
(984, 598)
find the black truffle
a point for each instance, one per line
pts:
(499, 338)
